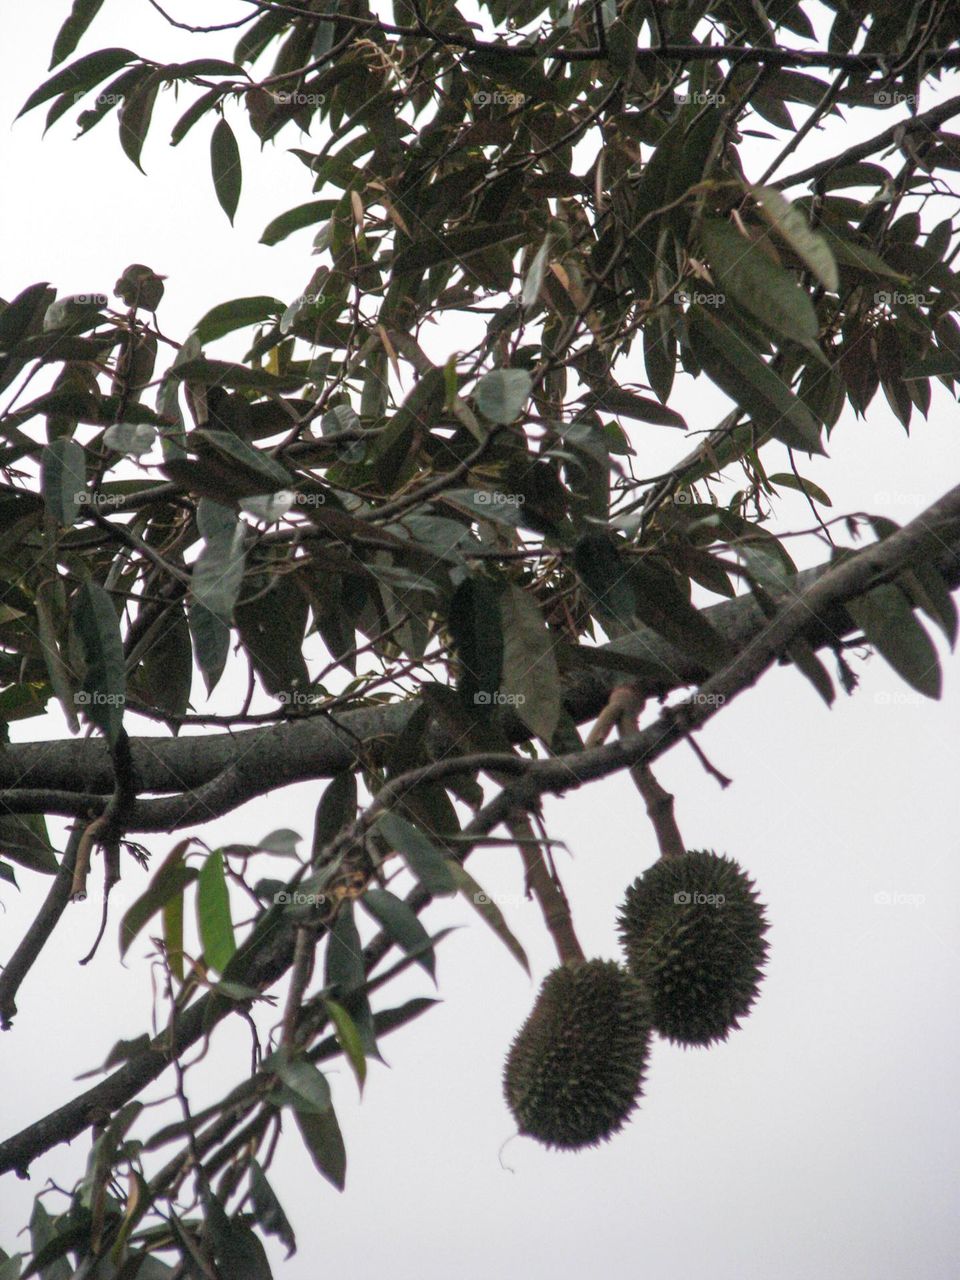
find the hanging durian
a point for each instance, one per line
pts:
(693, 932)
(575, 1070)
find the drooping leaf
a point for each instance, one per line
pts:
(96, 625)
(63, 479)
(169, 879)
(884, 616)
(530, 680)
(489, 912)
(404, 927)
(213, 914)
(336, 808)
(350, 1039)
(428, 864)
(226, 166)
(79, 76)
(793, 225)
(24, 840)
(82, 13)
(324, 1141)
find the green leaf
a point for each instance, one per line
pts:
(757, 284)
(135, 114)
(7, 873)
(433, 870)
(402, 925)
(96, 625)
(213, 914)
(793, 225)
(456, 245)
(530, 677)
(754, 387)
(304, 215)
(79, 76)
(337, 807)
(23, 839)
(806, 661)
(238, 377)
(63, 479)
(489, 912)
(349, 1038)
(268, 1210)
(474, 622)
(173, 934)
(534, 277)
(215, 584)
(501, 395)
(236, 314)
(82, 13)
(169, 879)
(929, 592)
(626, 404)
(308, 1086)
(784, 480)
(344, 969)
(324, 1141)
(886, 619)
(605, 575)
(226, 167)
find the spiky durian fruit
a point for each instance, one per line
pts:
(575, 1069)
(693, 932)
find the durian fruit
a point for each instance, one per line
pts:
(693, 932)
(575, 1069)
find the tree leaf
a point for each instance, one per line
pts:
(324, 1141)
(227, 317)
(23, 839)
(82, 13)
(135, 114)
(63, 479)
(344, 969)
(489, 912)
(173, 934)
(428, 864)
(501, 395)
(785, 480)
(401, 924)
(169, 879)
(530, 680)
(794, 226)
(80, 76)
(303, 215)
(213, 914)
(337, 807)
(732, 364)
(886, 619)
(96, 625)
(309, 1087)
(627, 404)
(268, 1210)
(349, 1038)
(226, 166)
(757, 284)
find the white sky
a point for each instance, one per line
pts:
(822, 1139)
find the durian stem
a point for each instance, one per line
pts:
(547, 890)
(625, 700)
(659, 802)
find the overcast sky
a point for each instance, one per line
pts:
(822, 1138)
